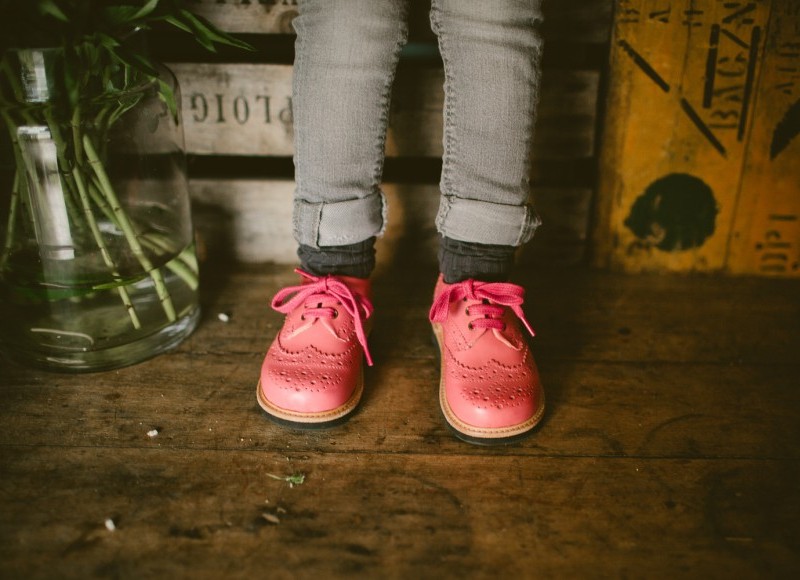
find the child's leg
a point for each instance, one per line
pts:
(489, 388)
(346, 55)
(491, 53)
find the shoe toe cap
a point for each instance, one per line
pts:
(306, 388)
(497, 404)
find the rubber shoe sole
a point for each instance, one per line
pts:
(307, 421)
(471, 433)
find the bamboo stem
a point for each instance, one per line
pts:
(127, 229)
(66, 168)
(12, 218)
(71, 197)
(76, 140)
(98, 237)
(87, 187)
(186, 271)
(183, 265)
(74, 173)
(186, 256)
(23, 182)
(178, 265)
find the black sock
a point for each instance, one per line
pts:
(355, 260)
(459, 261)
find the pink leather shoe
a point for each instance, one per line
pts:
(312, 374)
(489, 389)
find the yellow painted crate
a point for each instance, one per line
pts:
(700, 160)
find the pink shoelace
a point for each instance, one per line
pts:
(494, 297)
(319, 289)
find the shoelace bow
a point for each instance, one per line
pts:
(493, 297)
(326, 287)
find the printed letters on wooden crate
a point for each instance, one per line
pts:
(699, 129)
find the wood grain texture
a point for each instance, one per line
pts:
(253, 218)
(685, 119)
(201, 513)
(669, 448)
(567, 20)
(245, 109)
(249, 16)
(766, 227)
(595, 409)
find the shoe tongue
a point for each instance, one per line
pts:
(320, 301)
(504, 339)
(318, 333)
(493, 344)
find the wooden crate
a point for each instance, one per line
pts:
(699, 164)
(242, 111)
(245, 109)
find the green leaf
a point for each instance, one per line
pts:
(107, 41)
(91, 55)
(199, 33)
(146, 9)
(168, 96)
(51, 8)
(120, 14)
(135, 60)
(292, 480)
(206, 30)
(205, 43)
(72, 85)
(178, 24)
(125, 103)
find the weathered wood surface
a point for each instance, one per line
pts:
(687, 177)
(766, 227)
(669, 448)
(249, 16)
(253, 218)
(238, 109)
(200, 514)
(595, 409)
(575, 20)
(245, 109)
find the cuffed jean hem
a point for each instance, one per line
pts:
(484, 222)
(339, 223)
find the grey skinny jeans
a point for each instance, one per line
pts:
(345, 61)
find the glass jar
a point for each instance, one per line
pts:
(97, 266)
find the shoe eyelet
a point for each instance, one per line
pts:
(335, 313)
(302, 317)
(467, 311)
(470, 326)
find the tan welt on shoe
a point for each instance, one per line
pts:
(312, 374)
(489, 388)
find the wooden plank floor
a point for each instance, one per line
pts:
(670, 447)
